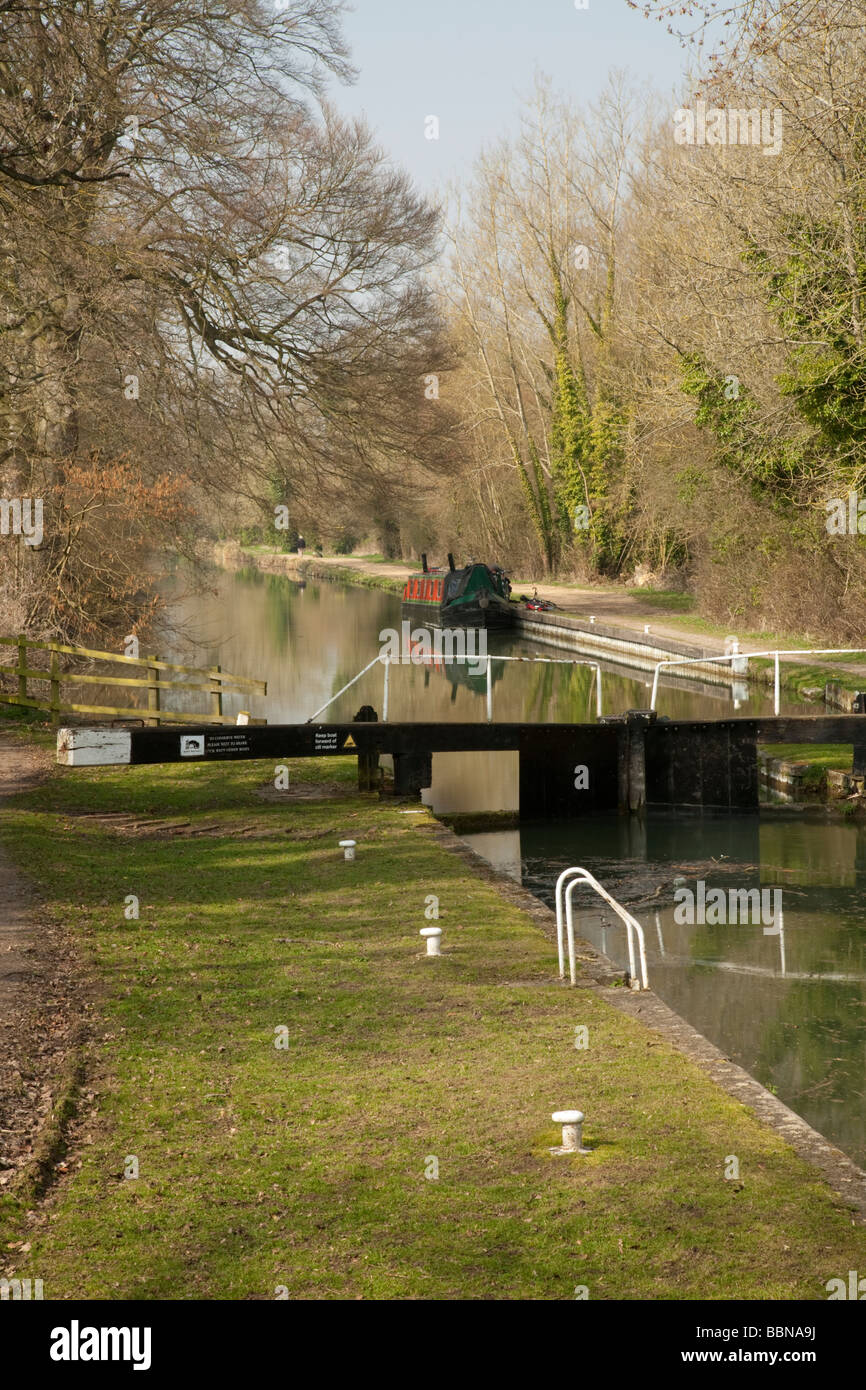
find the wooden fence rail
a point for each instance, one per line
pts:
(215, 681)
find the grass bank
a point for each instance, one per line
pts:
(310, 1167)
(314, 567)
(820, 756)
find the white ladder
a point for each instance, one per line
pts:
(576, 876)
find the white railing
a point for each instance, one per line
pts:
(744, 657)
(549, 661)
(633, 927)
(347, 686)
(432, 658)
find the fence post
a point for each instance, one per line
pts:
(489, 692)
(54, 672)
(776, 685)
(153, 692)
(216, 697)
(22, 665)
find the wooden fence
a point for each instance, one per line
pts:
(215, 682)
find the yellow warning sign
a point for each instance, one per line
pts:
(350, 742)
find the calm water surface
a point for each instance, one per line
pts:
(791, 1009)
(308, 641)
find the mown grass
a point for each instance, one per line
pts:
(305, 1167)
(798, 678)
(670, 600)
(819, 757)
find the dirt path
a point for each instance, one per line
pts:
(613, 606)
(20, 769)
(616, 606)
(37, 987)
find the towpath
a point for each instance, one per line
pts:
(613, 606)
(37, 985)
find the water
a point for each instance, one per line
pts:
(789, 1008)
(309, 641)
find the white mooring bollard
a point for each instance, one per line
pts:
(433, 935)
(572, 1132)
(348, 848)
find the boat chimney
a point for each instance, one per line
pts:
(450, 561)
(424, 562)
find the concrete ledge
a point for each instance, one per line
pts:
(837, 697)
(841, 784)
(781, 777)
(644, 651)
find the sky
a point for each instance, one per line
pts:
(467, 62)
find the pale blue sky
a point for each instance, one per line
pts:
(468, 61)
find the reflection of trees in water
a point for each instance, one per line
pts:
(291, 636)
(539, 690)
(249, 574)
(837, 856)
(814, 1049)
(562, 694)
(280, 597)
(806, 1037)
(274, 602)
(338, 611)
(569, 689)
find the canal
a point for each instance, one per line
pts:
(308, 640)
(789, 1007)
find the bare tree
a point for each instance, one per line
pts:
(535, 287)
(204, 267)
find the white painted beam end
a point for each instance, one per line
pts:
(93, 747)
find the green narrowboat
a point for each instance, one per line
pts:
(477, 595)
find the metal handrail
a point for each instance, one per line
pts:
(744, 656)
(551, 661)
(344, 688)
(474, 660)
(465, 661)
(578, 876)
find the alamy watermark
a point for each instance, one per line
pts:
(77, 1343)
(846, 516)
(421, 647)
(729, 125)
(22, 516)
(738, 907)
(20, 1289)
(855, 1290)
